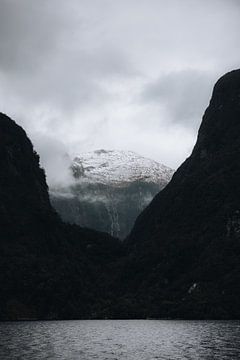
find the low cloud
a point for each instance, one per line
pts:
(54, 159)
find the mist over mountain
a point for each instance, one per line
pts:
(108, 190)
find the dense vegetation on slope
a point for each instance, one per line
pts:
(48, 269)
(184, 249)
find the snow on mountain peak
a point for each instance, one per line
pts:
(117, 167)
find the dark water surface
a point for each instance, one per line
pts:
(120, 339)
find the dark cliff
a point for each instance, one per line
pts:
(23, 189)
(184, 249)
(48, 269)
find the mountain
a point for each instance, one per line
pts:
(181, 259)
(49, 270)
(109, 190)
(184, 250)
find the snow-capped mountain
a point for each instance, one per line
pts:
(119, 167)
(109, 190)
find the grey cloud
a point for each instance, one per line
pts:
(185, 95)
(28, 32)
(48, 57)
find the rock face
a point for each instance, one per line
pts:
(184, 250)
(110, 190)
(48, 269)
(23, 189)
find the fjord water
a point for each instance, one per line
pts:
(120, 339)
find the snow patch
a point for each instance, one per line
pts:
(118, 167)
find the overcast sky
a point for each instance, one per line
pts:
(131, 74)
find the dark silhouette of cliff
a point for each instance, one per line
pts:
(48, 269)
(184, 249)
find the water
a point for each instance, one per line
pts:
(120, 339)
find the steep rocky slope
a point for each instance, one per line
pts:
(109, 190)
(184, 250)
(48, 269)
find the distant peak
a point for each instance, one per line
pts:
(118, 166)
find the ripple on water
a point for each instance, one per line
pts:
(120, 339)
